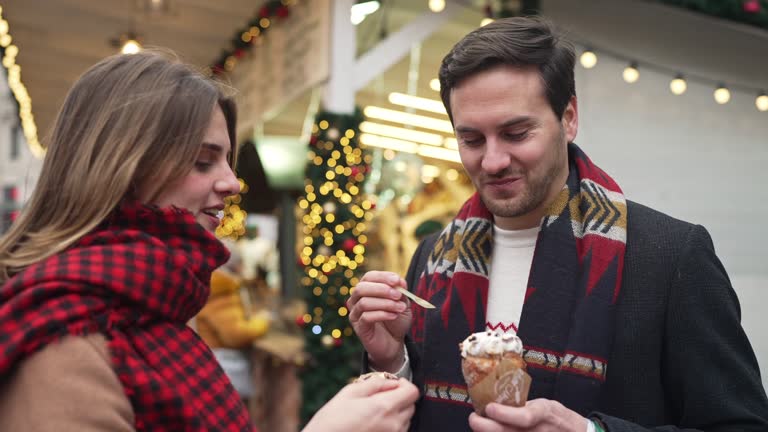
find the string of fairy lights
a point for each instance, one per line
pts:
(10, 51)
(678, 84)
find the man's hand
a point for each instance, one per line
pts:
(381, 316)
(539, 415)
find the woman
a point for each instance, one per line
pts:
(112, 256)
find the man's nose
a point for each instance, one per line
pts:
(496, 157)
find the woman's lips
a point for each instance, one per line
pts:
(213, 222)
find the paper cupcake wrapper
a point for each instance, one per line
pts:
(376, 375)
(507, 384)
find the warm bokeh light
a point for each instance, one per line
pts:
(588, 59)
(631, 74)
(436, 5)
(762, 102)
(722, 95)
(131, 46)
(678, 85)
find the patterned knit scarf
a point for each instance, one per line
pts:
(137, 279)
(567, 318)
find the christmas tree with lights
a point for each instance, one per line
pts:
(334, 221)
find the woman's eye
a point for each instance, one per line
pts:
(203, 165)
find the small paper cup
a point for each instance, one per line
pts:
(507, 384)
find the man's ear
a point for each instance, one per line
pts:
(570, 120)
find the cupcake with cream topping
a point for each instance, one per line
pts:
(494, 369)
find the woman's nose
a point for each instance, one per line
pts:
(228, 184)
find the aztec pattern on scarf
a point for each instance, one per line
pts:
(138, 278)
(567, 318)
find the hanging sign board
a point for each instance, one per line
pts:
(289, 59)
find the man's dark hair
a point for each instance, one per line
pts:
(518, 41)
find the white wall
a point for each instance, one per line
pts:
(685, 155)
(694, 160)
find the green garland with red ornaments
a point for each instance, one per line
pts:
(269, 13)
(751, 12)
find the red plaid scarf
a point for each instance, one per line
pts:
(567, 318)
(138, 278)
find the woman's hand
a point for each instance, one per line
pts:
(374, 405)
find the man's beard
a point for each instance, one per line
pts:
(535, 192)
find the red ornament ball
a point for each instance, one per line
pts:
(300, 321)
(337, 342)
(349, 244)
(283, 11)
(751, 6)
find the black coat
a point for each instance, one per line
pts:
(680, 359)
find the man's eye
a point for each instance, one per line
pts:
(471, 141)
(516, 136)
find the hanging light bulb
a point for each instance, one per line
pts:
(156, 6)
(762, 102)
(722, 95)
(588, 59)
(436, 5)
(130, 46)
(631, 74)
(127, 43)
(488, 12)
(362, 9)
(678, 85)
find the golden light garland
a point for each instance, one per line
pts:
(18, 89)
(233, 223)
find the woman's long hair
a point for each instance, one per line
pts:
(129, 122)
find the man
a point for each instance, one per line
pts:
(628, 318)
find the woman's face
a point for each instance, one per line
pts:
(203, 189)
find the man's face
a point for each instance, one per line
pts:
(511, 144)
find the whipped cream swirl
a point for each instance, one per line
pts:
(490, 344)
